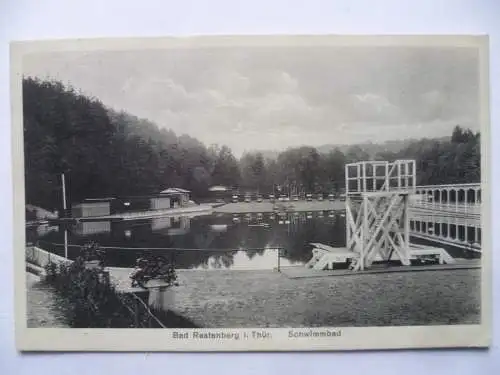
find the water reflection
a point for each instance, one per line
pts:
(174, 226)
(246, 260)
(245, 241)
(218, 241)
(92, 227)
(45, 229)
(219, 227)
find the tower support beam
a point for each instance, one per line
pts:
(377, 210)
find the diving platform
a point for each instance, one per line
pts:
(326, 257)
(299, 272)
(378, 208)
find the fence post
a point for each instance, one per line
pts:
(136, 313)
(279, 259)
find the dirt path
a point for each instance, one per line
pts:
(41, 308)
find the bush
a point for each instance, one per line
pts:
(91, 252)
(90, 300)
(154, 268)
(88, 297)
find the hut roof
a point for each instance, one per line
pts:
(174, 191)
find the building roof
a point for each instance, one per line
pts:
(95, 200)
(218, 188)
(174, 191)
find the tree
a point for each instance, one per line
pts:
(103, 152)
(334, 167)
(355, 154)
(253, 171)
(108, 153)
(272, 175)
(461, 135)
(299, 167)
(445, 161)
(225, 170)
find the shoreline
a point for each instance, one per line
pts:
(202, 209)
(208, 209)
(280, 207)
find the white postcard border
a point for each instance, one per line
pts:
(276, 339)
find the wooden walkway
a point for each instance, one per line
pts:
(300, 272)
(203, 209)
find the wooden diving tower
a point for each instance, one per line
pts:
(378, 195)
(377, 210)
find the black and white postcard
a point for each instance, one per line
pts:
(251, 193)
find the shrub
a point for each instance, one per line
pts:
(91, 252)
(154, 268)
(90, 300)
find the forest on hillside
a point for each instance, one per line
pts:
(107, 153)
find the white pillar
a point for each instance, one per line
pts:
(433, 194)
(407, 174)
(466, 201)
(364, 233)
(399, 176)
(407, 225)
(364, 177)
(346, 173)
(358, 175)
(478, 208)
(374, 175)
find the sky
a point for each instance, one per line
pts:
(272, 98)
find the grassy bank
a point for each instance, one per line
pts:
(270, 299)
(267, 206)
(89, 300)
(251, 299)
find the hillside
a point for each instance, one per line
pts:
(372, 149)
(103, 152)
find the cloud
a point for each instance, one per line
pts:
(228, 112)
(434, 105)
(368, 108)
(375, 105)
(265, 98)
